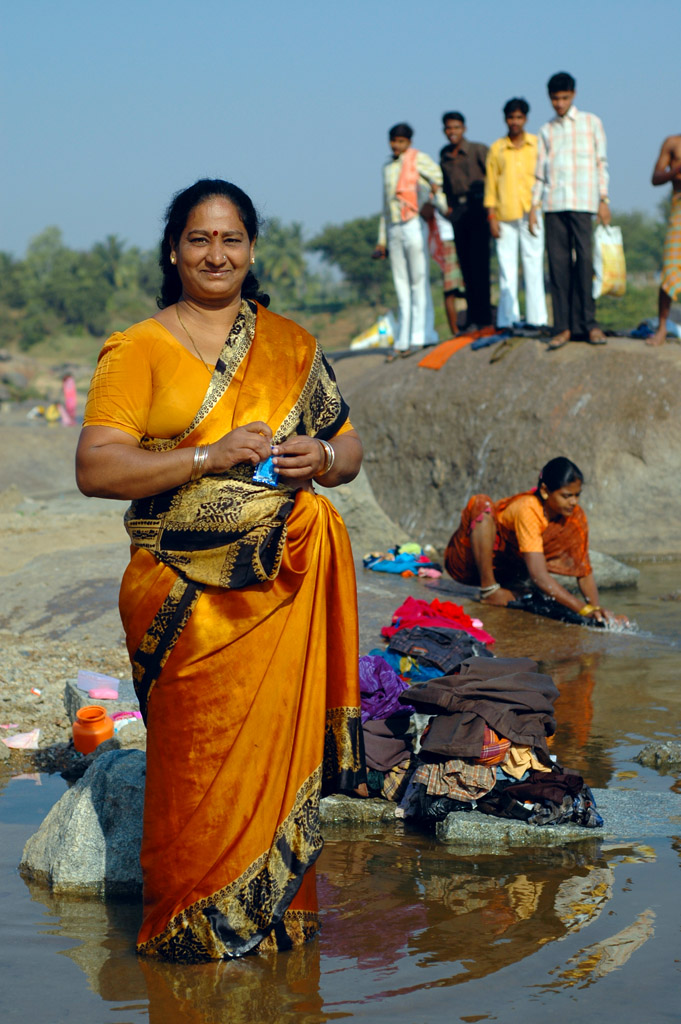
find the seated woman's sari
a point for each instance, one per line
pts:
(239, 608)
(522, 527)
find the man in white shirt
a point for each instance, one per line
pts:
(572, 186)
(403, 235)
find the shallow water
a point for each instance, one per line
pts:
(414, 932)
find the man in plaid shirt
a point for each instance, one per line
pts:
(571, 183)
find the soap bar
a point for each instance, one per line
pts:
(103, 693)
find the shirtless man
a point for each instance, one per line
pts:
(668, 168)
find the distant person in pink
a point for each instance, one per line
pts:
(68, 409)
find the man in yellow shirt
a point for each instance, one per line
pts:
(509, 179)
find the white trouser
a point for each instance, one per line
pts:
(515, 233)
(409, 264)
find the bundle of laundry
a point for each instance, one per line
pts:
(488, 735)
(407, 667)
(507, 694)
(443, 614)
(380, 687)
(405, 560)
(537, 603)
(437, 647)
(389, 749)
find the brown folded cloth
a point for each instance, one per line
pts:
(387, 742)
(506, 693)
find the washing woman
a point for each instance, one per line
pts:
(536, 534)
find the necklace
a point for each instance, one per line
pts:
(184, 327)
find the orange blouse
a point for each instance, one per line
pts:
(148, 384)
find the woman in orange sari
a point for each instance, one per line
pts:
(501, 546)
(239, 602)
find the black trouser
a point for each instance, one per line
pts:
(569, 246)
(471, 237)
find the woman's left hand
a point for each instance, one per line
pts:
(300, 458)
(614, 620)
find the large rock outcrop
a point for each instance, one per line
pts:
(433, 438)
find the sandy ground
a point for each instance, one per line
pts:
(61, 559)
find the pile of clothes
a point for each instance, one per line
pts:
(449, 727)
(403, 560)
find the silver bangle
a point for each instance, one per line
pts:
(486, 591)
(330, 456)
(200, 459)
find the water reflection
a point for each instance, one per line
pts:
(576, 744)
(400, 913)
(458, 919)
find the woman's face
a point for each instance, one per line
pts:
(563, 501)
(213, 253)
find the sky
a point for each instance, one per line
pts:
(108, 109)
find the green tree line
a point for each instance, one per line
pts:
(58, 289)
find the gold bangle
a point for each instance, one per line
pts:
(589, 608)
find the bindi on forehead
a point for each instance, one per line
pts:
(215, 234)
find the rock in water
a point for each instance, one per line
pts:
(90, 841)
(609, 573)
(665, 754)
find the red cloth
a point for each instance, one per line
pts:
(445, 614)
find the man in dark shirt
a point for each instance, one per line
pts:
(463, 169)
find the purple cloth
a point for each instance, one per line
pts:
(379, 687)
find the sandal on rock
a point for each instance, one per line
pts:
(558, 340)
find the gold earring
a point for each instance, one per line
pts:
(252, 259)
(173, 258)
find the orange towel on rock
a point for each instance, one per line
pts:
(436, 359)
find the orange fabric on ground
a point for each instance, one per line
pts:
(522, 526)
(260, 686)
(436, 359)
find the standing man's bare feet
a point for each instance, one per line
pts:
(659, 337)
(558, 340)
(597, 337)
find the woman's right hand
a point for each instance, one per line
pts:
(250, 443)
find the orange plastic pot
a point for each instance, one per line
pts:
(91, 727)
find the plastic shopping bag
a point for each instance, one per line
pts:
(610, 271)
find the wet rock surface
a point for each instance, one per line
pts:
(660, 755)
(433, 438)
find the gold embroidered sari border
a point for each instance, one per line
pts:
(191, 935)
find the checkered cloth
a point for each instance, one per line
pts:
(494, 748)
(395, 780)
(670, 281)
(452, 278)
(457, 779)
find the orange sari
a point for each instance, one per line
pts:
(565, 544)
(242, 632)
